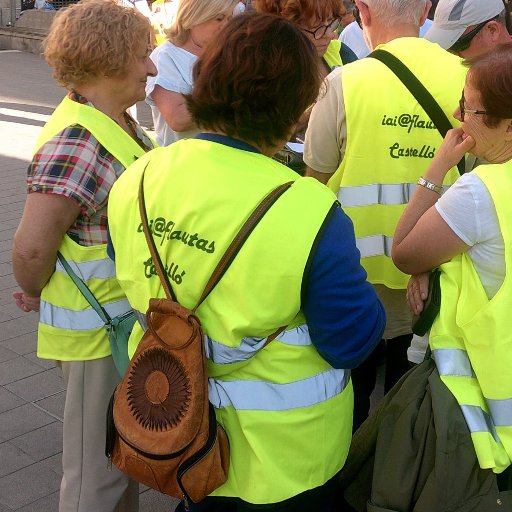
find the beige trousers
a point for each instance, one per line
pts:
(88, 484)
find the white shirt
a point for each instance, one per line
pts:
(239, 8)
(352, 36)
(174, 66)
(468, 209)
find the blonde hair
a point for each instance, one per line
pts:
(94, 38)
(189, 13)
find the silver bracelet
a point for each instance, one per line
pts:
(430, 185)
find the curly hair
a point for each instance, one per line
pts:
(491, 75)
(94, 38)
(302, 12)
(189, 13)
(256, 80)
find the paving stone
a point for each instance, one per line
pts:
(4, 317)
(54, 463)
(7, 354)
(9, 224)
(28, 485)
(7, 281)
(154, 501)
(47, 504)
(38, 386)
(9, 401)
(12, 213)
(54, 404)
(47, 364)
(41, 443)
(5, 268)
(13, 459)
(22, 345)
(19, 326)
(19, 421)
(16, 369)
(6, 295)
(13, 310)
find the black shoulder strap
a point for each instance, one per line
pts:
(418, 90)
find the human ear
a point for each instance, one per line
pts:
(364, 12)
(424, 16)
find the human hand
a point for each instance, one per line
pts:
(455, 145)
(26, 302)
(417, 292)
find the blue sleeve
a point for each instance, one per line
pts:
(345, 318)
(110, 247)
(347, 55)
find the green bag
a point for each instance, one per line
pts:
(118, 328)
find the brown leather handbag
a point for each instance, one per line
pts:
(161, 428)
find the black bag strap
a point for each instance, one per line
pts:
(419, 91)
(231, 251)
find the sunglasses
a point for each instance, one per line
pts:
(464, 41)
(464, 110)
(320, 31)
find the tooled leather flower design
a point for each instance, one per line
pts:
(158, 390)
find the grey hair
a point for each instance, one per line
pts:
(397, 12)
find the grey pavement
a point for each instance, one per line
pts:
(31, 389)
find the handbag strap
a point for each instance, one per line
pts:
(84, 290)
(419, 91)
(231, 251)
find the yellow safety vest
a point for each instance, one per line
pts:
(69, 328)
(390, 143)
(471, 340)
(287, 412)
(332, 55)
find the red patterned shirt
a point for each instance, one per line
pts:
(75, 165)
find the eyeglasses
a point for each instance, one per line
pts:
(320, 31)
(464, 41)
(464, 110)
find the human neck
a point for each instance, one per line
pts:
(192, 46)
(383, 34)
(99, 95)
(499, 154)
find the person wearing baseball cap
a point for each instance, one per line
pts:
(470, 27)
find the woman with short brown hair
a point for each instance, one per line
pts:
(286, 405)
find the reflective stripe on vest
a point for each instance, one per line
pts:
(374, 245)
(83, 320)
(452, 361)
(501, 411)
(377, 193)
(455, 362)
(222, 354)
(86, 270)
(266, 396)
(249, 346)
(478, 420)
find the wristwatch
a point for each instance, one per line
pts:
(430, 185)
